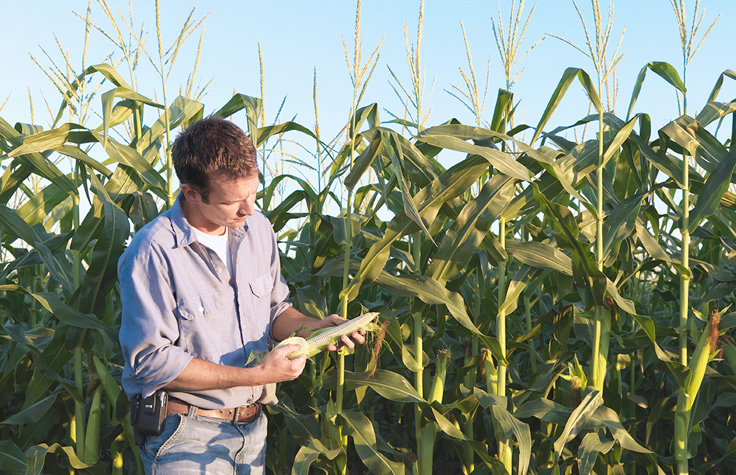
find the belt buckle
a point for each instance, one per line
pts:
(236, 415)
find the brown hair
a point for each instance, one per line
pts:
(209, 148)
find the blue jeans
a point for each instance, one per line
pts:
(191, 444)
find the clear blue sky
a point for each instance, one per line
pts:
(297, 37)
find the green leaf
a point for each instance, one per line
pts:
(388, 384)
(253, 107)
(622, 135)
(719, 82)
(307, 455)
(12, 224)
(129, 156)
(585, 272)
(510, 425)
(620, 223)
(102, 270)
(107, 70)
(391, 146)
(359, 427)
(516, 287)
(36, 456)
(363, 161)
(661, 69)
(480, 449)
(577, 421)
(470, 227)
(433, 292)
(714, 111)
(545, 410)
(40, 205)
(108, 98)
(430, 199)
(11, 458)
(567, 78)
(301, 426)
(502, 161)
(64, 312)
(540, 255)
(608, 418)
(698, 142)
(264, 133)
(715, 187)
(32, 414)
(589, 449)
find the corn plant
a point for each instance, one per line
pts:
(590, 232)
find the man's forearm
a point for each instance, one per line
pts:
(200, 375)
(290, 320)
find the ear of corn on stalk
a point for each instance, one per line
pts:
(320, 339)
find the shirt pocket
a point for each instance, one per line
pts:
(262, 286)
(200, 306)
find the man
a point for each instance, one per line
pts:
(202, 290)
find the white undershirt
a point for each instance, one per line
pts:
(217, 244)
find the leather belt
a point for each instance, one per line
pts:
(241, 415)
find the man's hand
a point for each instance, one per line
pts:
(347, 341)
(276, 367)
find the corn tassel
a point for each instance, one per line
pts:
(320, 339)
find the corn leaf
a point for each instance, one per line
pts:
(64, 312)
(661, 69)
(388, 384)
(36, 456)
(719, 82)
(502, 161)
(40, 205)
(699, 143)
(13, 225)
(715, 187)
(470, 227)
(480, 449)
(620, 223)
(393, 149)
(447, 186)
(359, 427)
(567, 78)
(607, 417)
(102, 270)
(433, 292)
(577, 421)
(509, 425)
(592, 445)
(11, 458)
(364, 160)
(308, 454)
(33, 413)
(108, 98)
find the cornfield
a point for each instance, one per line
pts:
(555, 300)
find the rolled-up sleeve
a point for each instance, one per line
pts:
(149, 326)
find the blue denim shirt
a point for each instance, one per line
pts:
(180, 302)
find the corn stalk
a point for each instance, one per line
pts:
(686, 397)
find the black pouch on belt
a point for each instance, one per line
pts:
(147, 415)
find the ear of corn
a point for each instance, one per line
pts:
(323, 337)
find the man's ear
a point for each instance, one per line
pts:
(191, 194)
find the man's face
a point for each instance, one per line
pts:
(228, 204)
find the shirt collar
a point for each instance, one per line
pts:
(184, 232)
